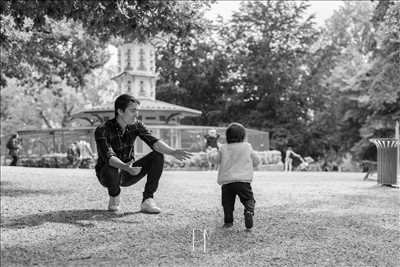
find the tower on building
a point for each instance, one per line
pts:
(137, 76)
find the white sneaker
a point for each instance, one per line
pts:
(113, 203)
(149, 206)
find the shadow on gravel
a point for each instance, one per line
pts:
(4, 183)
(17, 192)
(382, 187)
(74, 217)
(8, 189)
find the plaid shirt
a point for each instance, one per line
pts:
(111, 141)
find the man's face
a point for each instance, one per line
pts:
(130, 114)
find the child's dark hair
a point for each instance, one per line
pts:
(235, 133)
(123, 101)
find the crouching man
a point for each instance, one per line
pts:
(116, 165)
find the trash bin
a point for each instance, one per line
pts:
(387, 160)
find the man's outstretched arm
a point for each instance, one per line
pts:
(163, 148)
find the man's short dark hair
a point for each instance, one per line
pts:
(235, 133)
(123, 101)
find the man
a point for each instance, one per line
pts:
(116, 165)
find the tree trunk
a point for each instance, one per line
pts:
(46, 121)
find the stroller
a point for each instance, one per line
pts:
(305, 164)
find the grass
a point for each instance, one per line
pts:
(57, 217)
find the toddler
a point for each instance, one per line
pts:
(236, 160)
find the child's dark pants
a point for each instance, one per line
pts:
(229, 192)
(152, 164)
(14, 161)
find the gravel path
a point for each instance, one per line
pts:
(56, 217)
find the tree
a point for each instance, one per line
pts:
(127, 19)
(269, 43)
(197, 81)
(193, 73)
(32, 29)
(381, 79)
(60, 48)
(340, 51)
(49, 49)
(362, 85)
(47, 70)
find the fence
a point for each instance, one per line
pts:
(191, 138)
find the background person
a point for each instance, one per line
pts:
(86, 155)
(73, 155)
(290, 155)
(14, 145)
(211, 139)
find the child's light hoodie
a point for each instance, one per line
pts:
(236, 163)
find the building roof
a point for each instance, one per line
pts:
(145, 105)
(134, 74)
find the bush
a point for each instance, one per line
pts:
(270, 160)
(55, 160)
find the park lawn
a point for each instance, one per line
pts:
(57, 217)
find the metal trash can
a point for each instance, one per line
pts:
(387, 160)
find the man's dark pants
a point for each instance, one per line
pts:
(152, 164)
(229, 192)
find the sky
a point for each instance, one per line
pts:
(321, 9)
